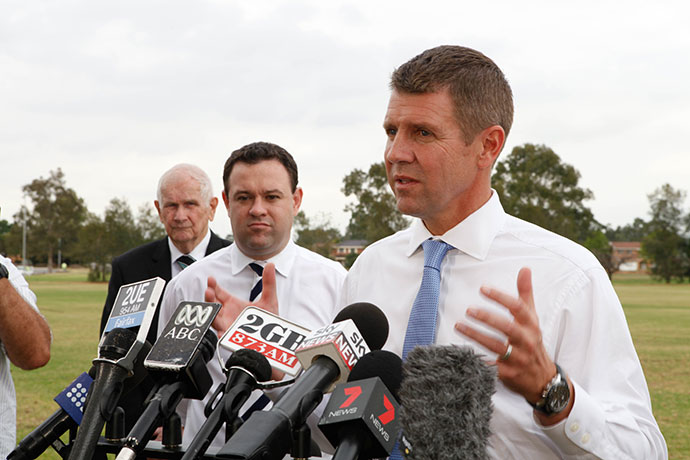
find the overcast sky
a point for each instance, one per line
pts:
(115, 93)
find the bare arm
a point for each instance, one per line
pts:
(24, 332)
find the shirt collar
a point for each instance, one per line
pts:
(283, 261)
(197, 253)
(473, 236)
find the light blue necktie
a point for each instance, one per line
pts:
(421, 327)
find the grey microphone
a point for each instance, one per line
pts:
(446, 404)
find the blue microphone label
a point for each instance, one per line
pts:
(73, 398)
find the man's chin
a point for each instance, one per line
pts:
(408, 207)
(182, 236)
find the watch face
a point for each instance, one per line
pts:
(558, 397)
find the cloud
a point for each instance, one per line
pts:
(115, 93)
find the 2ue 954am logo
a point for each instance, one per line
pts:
(270, 335)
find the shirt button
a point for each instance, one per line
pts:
(585, 438)
(574, 427)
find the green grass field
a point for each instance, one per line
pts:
(658, 315)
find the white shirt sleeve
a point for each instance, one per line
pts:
(611, 415)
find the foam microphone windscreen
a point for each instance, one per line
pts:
(446, 403)
(370, 321)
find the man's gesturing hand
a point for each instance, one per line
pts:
(232, 306)
(526, 368)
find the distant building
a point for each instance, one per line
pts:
(342, 249)
(626, 255)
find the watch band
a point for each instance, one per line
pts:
(3, 272)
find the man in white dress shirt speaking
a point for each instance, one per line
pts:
(262, 197)
(538, 306)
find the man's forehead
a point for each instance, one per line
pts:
(181, 190)
(263, 177)
(419, 108)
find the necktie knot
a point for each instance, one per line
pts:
(434, 252)
(258, 269)
(185, 261)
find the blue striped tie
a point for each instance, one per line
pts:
(421, 327)
(256, 290)
(263, 400)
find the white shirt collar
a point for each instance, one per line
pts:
(197, 253)
(283, 261)
(473, 236)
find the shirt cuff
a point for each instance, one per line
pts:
(581, 432)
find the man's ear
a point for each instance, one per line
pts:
(158, 209)
(212, 211)
(297, 200)
(225, 200)
(492, 140)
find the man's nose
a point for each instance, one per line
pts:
(399, 150)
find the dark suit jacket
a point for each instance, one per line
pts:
(144, 262)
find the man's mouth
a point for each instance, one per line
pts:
(403, 180)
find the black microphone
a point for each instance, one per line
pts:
(328, 354)
(177, 361)
(362, 416)
(446, 403)
(370, 321)
(245, 369)
(105, 390)
(48, 432)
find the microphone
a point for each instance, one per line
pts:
(244, 368)
(177, 361)
(69, 416)
(327, 354)
(362, 416)
(370, 321)
(111, 370)
(446, 403)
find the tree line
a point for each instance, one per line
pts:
(56, 221)
(533, 182)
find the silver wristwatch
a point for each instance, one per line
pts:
(555, 396)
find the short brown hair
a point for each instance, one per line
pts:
(480, 92)
(257, 152)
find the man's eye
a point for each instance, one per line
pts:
(424, 132)
(391, 132)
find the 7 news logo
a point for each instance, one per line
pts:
(353, 393)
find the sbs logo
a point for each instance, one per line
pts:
(193, 315)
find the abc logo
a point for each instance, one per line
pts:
(193, 315)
